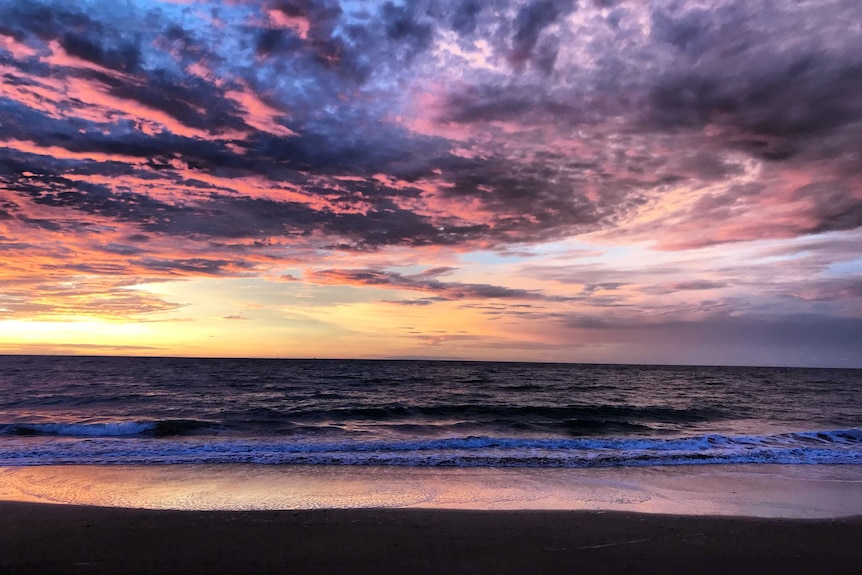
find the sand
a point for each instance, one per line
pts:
(68, 539)
(199, 519)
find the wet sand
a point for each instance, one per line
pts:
(789, 491)
(68, 539)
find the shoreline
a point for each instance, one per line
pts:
(44, 538)
(767, 491)
(358, 521)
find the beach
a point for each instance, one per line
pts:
(44, 538)
(328, 520)
(166, 465)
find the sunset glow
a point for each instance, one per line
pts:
(593, 181)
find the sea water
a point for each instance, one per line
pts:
(154, 411)
(290, 434)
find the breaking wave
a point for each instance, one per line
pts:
(124, 443)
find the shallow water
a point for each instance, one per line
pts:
(801, 491)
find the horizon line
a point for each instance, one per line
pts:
(426, 359)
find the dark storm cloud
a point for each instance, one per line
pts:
(405, 29)
(59, 192)
(348, 141)
(497, 102)
(223, 216)
(316, 51)
(464, 18)
(759, 101)
(219, 214)
(523, 211)
(546, 55)
(348, 49)
(125, 58)
(331, 77)
(531, 20)
(193, 102)
(48, 22)
(834, 207)
(731, 72)
(526, 204)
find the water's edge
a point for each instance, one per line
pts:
(792, 491)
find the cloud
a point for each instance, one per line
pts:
(424, 282)
(229, 119)
(94, 292)
(530, 22)
(167, 141)
(830, 290)
(463, 19)
(731, 77)
(683, 286)
(77, 349)
(417, 302)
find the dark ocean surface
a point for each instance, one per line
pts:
(101, 410)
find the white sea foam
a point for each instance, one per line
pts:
(815, 447)
(106, 429)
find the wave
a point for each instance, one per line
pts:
(516, 413)
(575, 421)
(816, 447)
(160, 428)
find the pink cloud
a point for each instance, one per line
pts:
(259, 114)
(297, 23)
(59, 153)
(18, 49)
(88, 99)
(58, 57)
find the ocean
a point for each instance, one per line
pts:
(153, 411)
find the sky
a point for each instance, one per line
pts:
(671, 182)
